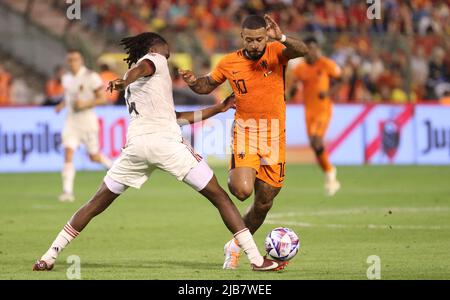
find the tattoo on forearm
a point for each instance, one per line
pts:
(295, 48)
(204, 85)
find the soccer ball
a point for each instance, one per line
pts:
(282, 243)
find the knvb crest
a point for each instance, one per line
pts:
(265, 67)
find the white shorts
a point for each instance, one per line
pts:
(73, 137)
(145, 153)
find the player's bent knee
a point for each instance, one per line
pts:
(199, 176)
(114, 186)
(242, 193)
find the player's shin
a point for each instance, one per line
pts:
(323, 160)
(68, 177)
(67, 234)
(247, 243)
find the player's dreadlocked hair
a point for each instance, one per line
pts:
(138, 46)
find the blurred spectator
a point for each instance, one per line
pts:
(406, 17)
(107, 75)
(419, 66)
(436, 71)
(398, 94)
(445, 100)
(410, 40)
(21, 94)
(5, 87)
(54, 91)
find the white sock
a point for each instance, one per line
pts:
(245, 240)
(105, 161)
(62, 240)
(331, 175)
(68, 177)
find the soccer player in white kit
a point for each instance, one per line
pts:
(154, 141)
(83, 90)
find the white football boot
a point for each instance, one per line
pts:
(332, 185)
(66, 197)
(231, 255)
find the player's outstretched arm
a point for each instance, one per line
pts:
(294, 47)
(143, 69)
(202, 85)
(189, 117)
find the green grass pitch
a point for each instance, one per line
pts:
(168, 231)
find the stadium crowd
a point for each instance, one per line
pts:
(401, 57)
(383, 59)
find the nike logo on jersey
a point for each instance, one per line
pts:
(267, 74)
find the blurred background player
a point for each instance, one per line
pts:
(256, 74)
(315, 73)
(445, 100)
(83, 90)
(5, 86)
(54, 90)
(154, 141)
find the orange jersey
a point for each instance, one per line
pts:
(108, 76)
(5, 89)
(316, 80)
(258, 85)
(259, 131)
(54, 88)
(445, 100)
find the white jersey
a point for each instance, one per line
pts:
(81, 86)
(150, 101)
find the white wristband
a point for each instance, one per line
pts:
(283, 38)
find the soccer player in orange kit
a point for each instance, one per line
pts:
(256, 74)
(315, 73)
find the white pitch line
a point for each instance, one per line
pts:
(44, 206)
(367, 226)
(361, 210)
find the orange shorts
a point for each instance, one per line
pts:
(262, 152)
(317, 122)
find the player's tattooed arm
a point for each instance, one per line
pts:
(202, 85)
(144, 68)
(189, 117)
(294, 47)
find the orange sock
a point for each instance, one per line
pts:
(324, 162)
